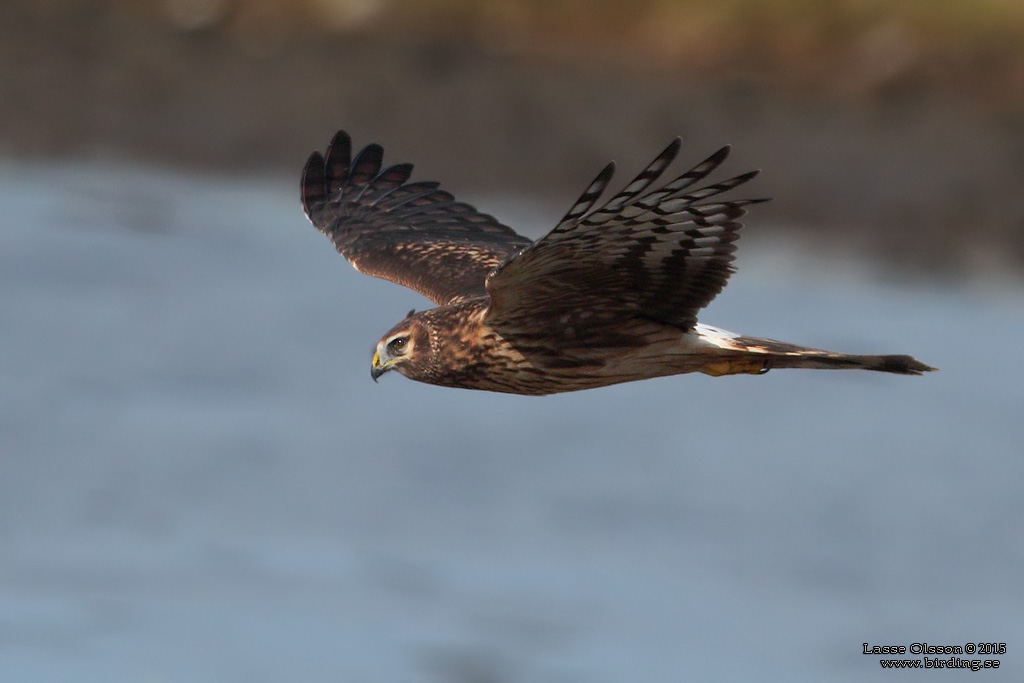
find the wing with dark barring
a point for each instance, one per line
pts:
(414, 234)
(656, 252)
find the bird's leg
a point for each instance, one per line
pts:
(747, 364)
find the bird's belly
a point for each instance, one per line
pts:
(661, 351)
(657, 350)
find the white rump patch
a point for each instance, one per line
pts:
(716, 337)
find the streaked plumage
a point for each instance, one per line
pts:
(610, 295)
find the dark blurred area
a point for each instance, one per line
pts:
(890, 129)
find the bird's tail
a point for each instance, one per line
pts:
(827, 360)
(755, 356)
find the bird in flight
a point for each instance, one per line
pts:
(610, 295)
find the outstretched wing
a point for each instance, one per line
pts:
(659, 253)
(410, 233)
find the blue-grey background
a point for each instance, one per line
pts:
(200, 483)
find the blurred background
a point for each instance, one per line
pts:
(199, 482)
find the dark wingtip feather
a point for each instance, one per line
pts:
(705, 167)
(695, 174)
(339, 158)
(589, 197)
(672, 151)
(392, 176)
(314, 183)
(366, 165)
(727, 185)
(341, 142)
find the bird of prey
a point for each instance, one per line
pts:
(610, 295)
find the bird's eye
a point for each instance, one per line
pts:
(397, 346)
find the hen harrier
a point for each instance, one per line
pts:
(610, 295)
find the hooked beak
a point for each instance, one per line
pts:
(376, 369)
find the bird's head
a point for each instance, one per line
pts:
(406, 348)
